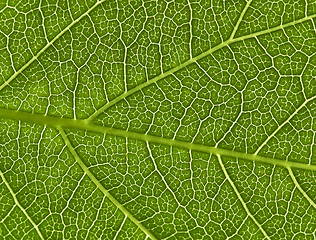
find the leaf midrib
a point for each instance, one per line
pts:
(66, 123)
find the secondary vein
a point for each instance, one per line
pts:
(190, 61)
(240, 19)
(101, 187)
(282, 125)
(300, 188)
(7, 82)
(240, 198)
(19, 205)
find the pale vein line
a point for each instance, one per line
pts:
(153, 80)
(10, 232)
(48, 45)
(191, 28)
(161, 175)
(19, 205)
(120, 228)
(240, 198)
(270, 30)
(190, 61)
(58, 122)
(240, 19)
(101, 187)
(8, 214)
(96, 219)
(165, 182)
(285, 122)
(125, 68)
(300, 188)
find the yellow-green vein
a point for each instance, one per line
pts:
(19, 205)
(300, 188)
(240, 198)
(190, 61)
(84, 125)
(101, 187)
(48, 45)
(282, 125)
(240, 19)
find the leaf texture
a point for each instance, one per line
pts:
(158, 119)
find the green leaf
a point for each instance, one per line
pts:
(158, 120)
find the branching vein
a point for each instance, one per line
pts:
(100, 186)
(19, 205)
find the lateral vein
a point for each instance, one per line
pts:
(7, 82)
(190, 61)
(240, 19)
(19, 205)
(240, 198)
(300, 188)
(101, 187)
(282, 125)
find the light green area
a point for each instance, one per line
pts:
(158, 119)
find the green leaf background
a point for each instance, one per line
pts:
(158, 119)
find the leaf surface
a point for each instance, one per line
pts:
(158, 119)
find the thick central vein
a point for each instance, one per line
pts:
(58, 122)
